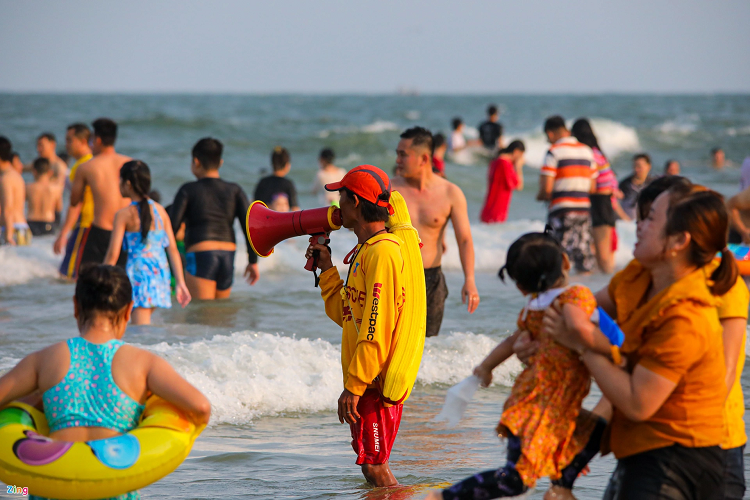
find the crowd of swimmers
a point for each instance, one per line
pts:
(672, 406)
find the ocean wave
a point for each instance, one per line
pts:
(491, 242)
(248, 375)
(376, 127)
(675, 130)
(615, 138)
(20, 265)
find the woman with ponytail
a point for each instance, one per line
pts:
(668, 425)
(144, 230)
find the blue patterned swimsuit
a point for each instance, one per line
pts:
(147, 267)
(89, 397)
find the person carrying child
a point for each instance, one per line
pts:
(548, 433)
(145, 229)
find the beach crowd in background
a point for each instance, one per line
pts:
(672, 406)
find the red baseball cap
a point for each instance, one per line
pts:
(368, 182)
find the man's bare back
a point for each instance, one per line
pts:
(102, 174)
(12, 198)
(42, 197)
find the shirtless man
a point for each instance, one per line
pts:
(42, 196)
(75, 229)
(102, 175)
(46, 147)
(13, 228)
(432, 201)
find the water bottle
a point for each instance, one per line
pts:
(456, 401)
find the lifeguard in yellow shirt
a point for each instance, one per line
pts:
(370, 307)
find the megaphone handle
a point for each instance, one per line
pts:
(312, 262)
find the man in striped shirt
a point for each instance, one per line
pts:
(568, 177)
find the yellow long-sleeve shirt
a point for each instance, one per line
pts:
(368, 309)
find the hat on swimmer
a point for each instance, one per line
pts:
(368, 182)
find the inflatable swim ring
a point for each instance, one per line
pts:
(741, 255)
(92, 469)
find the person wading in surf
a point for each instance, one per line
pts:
(368, 307)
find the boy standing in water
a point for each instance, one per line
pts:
(102, 175)
(208, 207)
(42, 196)
(74, 231)
(14, 230)
(46, 147)
(368, 308)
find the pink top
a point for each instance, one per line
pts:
(606, 181)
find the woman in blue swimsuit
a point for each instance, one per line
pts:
(71, 375)
(144, 230)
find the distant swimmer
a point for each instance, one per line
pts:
(327, 174)
(277, 183)
(208, 207)
(42, 197)
(78, 221)
(634, 183)
(505, 176)
(102, 175)
(438, 154)
(457, 140)
(368, 307)
(14, 229)
(491, 131)
(719, 159)
(17, 163)
(46, 147)
(672, 167)
(568, 177)
(432, 202)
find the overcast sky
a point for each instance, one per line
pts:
(314, 46)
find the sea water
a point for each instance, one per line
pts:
(268, 358)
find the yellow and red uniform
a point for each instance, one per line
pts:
(368, 308)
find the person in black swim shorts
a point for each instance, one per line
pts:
(208, 207)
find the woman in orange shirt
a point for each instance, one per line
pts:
(668, 421)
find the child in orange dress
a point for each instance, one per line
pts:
(548, 433)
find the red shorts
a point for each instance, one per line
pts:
(375, 431)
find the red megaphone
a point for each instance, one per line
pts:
(267, 228)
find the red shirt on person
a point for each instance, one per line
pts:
(503, 179)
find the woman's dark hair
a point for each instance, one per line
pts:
(582, 131)
(514, 145)
(703, 214)
(139, 175)
(456, 122)
(534, 262)
(279, 158)
(656, 187)
(370, 211)
(102, 289)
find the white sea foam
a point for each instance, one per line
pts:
(614, 137)
(248, 375)
(376, 127)
(491, 242)
(22, 264)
